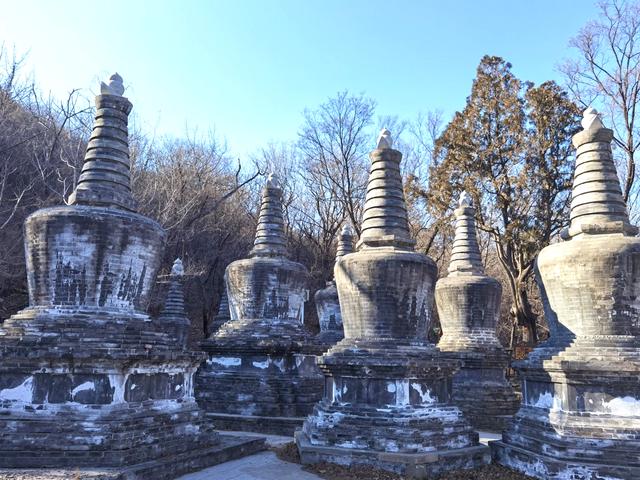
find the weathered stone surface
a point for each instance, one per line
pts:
(260, 375)
(327, 302)
(468, 304)
(87, 379)
(580, 416)
(387, 398)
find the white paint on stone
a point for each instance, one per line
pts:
(402, 392)
(21, 393)
(547, 400)
(118, 382)
(391, 446)
(280, 363)
(83, 387)
(262, 365)
(225, 361)
(425, 396)
(623, 406)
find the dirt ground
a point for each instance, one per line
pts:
(328, 471)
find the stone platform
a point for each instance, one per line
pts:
(421, 465)
(229, 447)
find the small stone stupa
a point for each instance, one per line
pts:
(580, 415)
(87, 380)
(327, 303)
(387, 399)
(223, 315)
(259, 375)
(173, 317)
(468, 303)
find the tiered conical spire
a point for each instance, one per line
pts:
(597, 204)
(270, 238)
(105, 179)
(345, 242)
(384, 220)
(223, 315)
(174, 304)
(465, 255)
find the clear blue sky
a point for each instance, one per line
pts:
(248, 68)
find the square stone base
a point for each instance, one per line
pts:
(411, 465)
(285, 426)
(549, 468)
(169, 467)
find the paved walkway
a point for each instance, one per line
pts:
(261, 466)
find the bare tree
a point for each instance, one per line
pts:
(607, 72)
(334, 142)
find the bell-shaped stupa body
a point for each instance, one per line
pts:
(387, 399)
(259, 375)
(84, 369)
(580, 414)
(327, 302)
(468, 303)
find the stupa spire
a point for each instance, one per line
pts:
(384, 221)
(105, 179)
(174, 304)
(597, 204)
(270, 239)
(345, 241)
(465, 255)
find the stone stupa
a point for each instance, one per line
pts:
(387, 399)
(468, 303)
(259, 375)
(327, 302)
(223, 315)
(580, 415)
(89, 384)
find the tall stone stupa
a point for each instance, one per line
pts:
(580, 415)
(468, 303)
(259, 375)
(88, 381)
(387, 399)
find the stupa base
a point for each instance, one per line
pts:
(545, 467)
(285, 426)
(487, 407)
(170, 466)
(411, 465)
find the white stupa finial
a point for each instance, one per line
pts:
(465, 199)
(177, 269)
(591, 119)
(347, 230)
(114, 87)
(273, 181)
(384, 139)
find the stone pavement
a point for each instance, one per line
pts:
(261, 466)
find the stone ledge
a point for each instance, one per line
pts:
(412, 465)
(548, 468)
(230, 447)
(259, 424)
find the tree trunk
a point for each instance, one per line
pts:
(521, 311)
